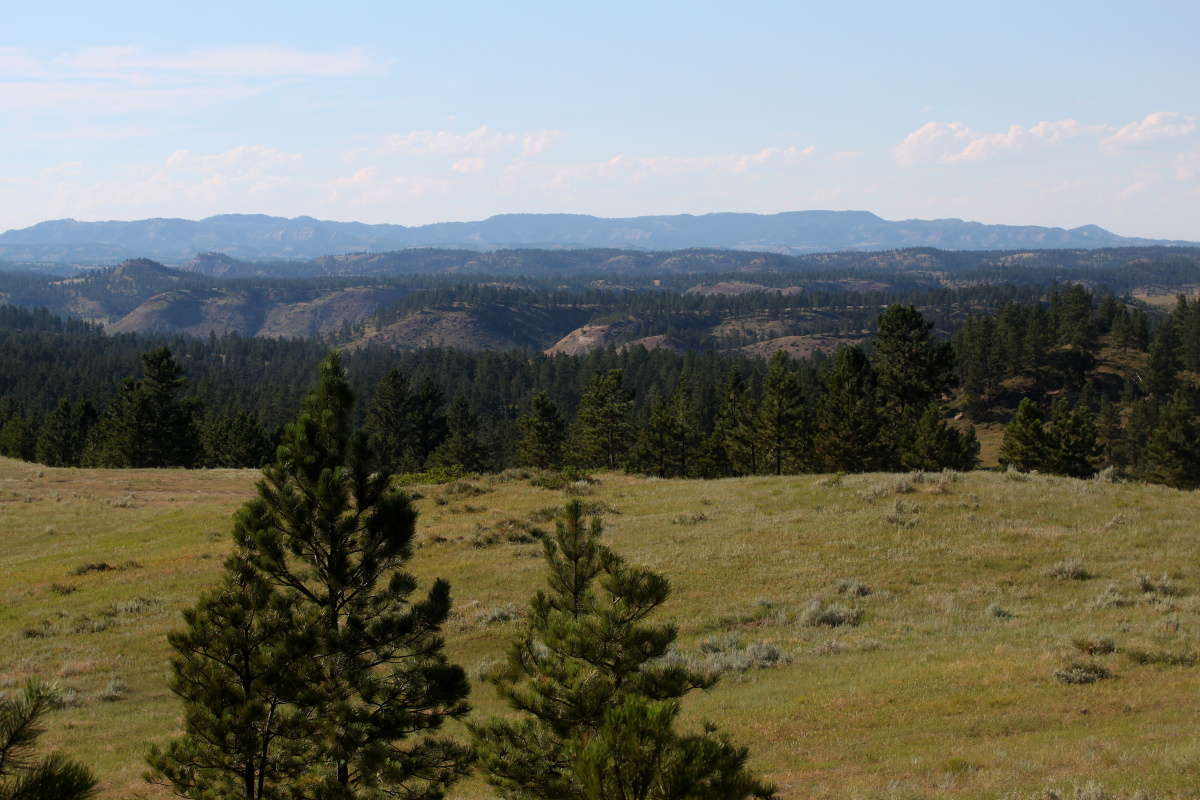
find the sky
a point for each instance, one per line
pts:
(1043, 113)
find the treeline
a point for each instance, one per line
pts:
(1094, 387)
(213, 402)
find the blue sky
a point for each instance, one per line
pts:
(1051, 113)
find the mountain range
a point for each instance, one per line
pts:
(261, 237)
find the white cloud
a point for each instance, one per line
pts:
(65, 168)
(943, 144)
(1155, 128)
(244, 61)
(113, 80)
(537, 141)
(481, 141)
(474, 164)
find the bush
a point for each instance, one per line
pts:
(1160, 658)
(817, 613)
(723, 654)
(1069, 569)
(114, 691)
(995, 611)
(431, 477)
(1147, 585)
(853, 588)
(1081, 672)
(1094, 645)
(561, 479)
(1110, 598)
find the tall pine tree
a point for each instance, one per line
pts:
(329, 529)
(543, 433)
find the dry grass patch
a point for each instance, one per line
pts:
(930, 679)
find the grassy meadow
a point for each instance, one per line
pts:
(969, 593)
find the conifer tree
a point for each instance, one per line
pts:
(1172, 455)
(656, 442)
(587, 677)
(1164, 364)
(636, 754)
(427, 425)
(145, 424)
(935, 445)
(1024, 447)
(329, 528)
(782, 418)
(911, 367)
(1109, 434)
(687, 435)
(543, 432)
(1072, 440)
(1140, 423)
(18, 438)
(390, 421)
(462, 445)
(24, 776)
(64, 432)
(846, 434)
(603, 428)
(243, 667)
(234, 442)
(721, 444)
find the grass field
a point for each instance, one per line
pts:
(945, 688)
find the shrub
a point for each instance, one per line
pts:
(114, 691)
(1014, 474)
(817, 613)
(98, 566)
(1160, 658)
(431, 477)
(1148, 585)
(1069, 569)
(492, 616)
(62, 590)
(1110, 598)
(723, 654)
(995, 611)
(518, 531)
(1081, 672)
(853, 588)
(561, 479)
(904, 515)
(1094, 645)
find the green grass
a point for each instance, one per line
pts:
(932, 694)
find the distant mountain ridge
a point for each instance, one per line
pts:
(259, 237)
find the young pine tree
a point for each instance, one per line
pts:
(543, 432)
(1024, 447)
(584, 674)
(329, 529)
(243, 668)
(24, 776)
